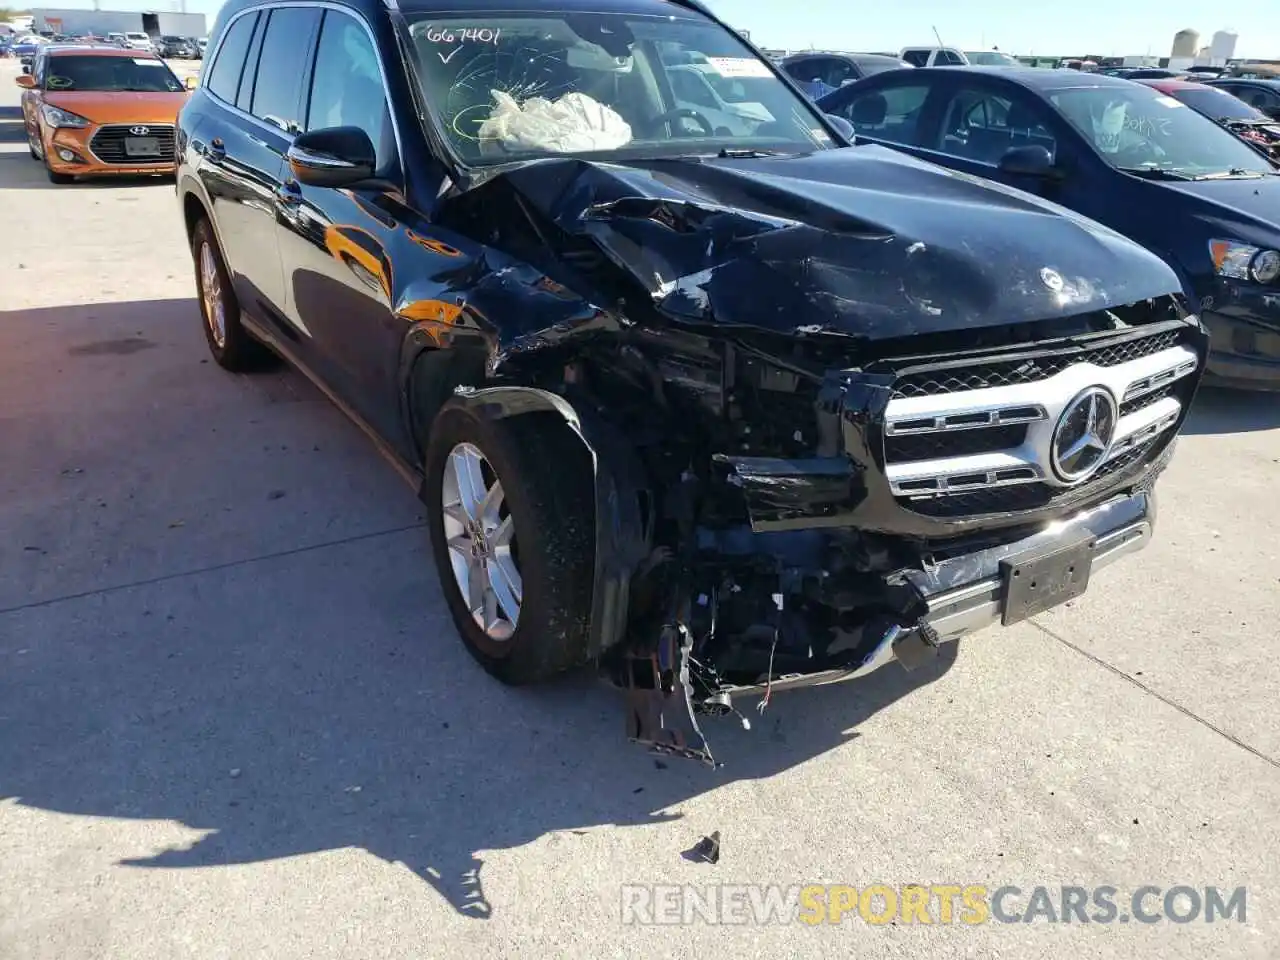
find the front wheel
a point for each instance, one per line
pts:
(511, 513)
(60, 179)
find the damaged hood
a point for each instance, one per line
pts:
(863, 242)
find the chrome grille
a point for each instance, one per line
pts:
(1134, 404)
(979, 439)
(1008, 373)
(927, 446)
(108, 144)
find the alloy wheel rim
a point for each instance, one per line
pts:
(480, 534)
(211, 293)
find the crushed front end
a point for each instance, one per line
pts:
(843, 407)
(811, 527)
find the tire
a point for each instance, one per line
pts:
(232, 346)
(61, 179)
(548, 498)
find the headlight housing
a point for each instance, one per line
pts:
(57, 117)
(1243, 261)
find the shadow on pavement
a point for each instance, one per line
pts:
(405, 749)
(12, 128)
(319, 699)
(1221, 410)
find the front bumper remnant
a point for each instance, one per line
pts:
(959, 594)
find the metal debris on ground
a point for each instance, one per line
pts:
(707, 849)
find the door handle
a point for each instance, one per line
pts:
(289, 193)
(215, 150)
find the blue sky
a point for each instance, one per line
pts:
(1107, 27)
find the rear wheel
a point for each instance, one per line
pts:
(512, 520)
(231, 345)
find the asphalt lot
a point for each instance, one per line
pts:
(235, 720)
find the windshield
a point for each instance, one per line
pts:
(1219, 105)
(513, 88)
(107, 74)
(991, 59)
(1135, 127)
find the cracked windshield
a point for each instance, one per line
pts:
(1146, 132)
(515, 88)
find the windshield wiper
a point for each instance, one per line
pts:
(1235, 173)
(1155, 173)
(747, 154)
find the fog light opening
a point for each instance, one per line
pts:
(67, 156)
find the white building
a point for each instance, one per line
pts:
(1223, 46)
(1185, 44)
(102, 22)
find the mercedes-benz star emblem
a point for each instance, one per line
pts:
(1052, 279)
(1084, 434)
(139, 131)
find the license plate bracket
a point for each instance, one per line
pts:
(142, 146)
(1042, 579)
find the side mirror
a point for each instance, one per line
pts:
(192, 82)
(25, 80)
(841, 124)
(332, 157)
(1029, 160)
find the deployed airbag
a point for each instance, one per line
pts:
(573, 123)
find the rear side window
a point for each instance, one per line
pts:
(277, 92)
(244, 98)
(224, 76)
(887, 113)
(800, 70)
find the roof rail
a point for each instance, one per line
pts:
(692, 5)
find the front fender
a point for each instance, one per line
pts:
(623, 534)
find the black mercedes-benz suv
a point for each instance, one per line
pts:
(692, 387)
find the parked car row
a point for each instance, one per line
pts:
(171, 47)
(1185, 169)
(1258, 127)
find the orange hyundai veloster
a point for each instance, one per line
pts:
(100, 111)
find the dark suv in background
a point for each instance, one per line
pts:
(820, 73)
(178, 48)
(721, 409)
